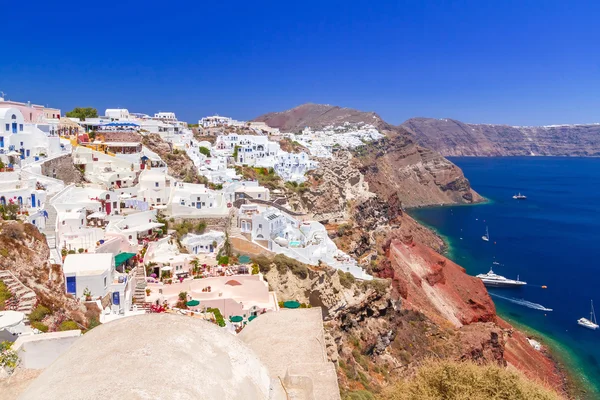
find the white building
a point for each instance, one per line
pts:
(117, 114)
(214, 121)
(259, 151)
(207, 243)
(88, 271)
(26, 142)
(188, 199)
(305, 241)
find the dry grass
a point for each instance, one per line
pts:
(450, 380)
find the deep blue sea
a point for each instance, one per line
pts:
(551, 239)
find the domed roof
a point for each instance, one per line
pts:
(155, 356)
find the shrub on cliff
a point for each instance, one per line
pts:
(39, 326)
(68, 326)
(346, 279)
(39, 313)
(451, 380)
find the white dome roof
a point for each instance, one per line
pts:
(155, 356)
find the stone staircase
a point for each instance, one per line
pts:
(139, 293)
(24, 296)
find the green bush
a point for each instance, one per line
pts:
(204, 150)
(346, 279)
(5, 294)
(218, 316)
(223, 260)
(39, 326)
(39, 313)
(68, 326)
(285, 263)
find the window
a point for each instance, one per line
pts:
(14, 116)
(158, 200)
(7, 127)
(155, 184)
(259, 226)
(21, 127)
(259, 195)
(203, 204)
(104, 282)
(63, 222)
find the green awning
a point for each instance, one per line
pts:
(251, 317)
(291, 304)
(244, 260)
(193, 303)
(122, 258)
(236, 318)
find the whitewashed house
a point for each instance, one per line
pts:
(305, 241)
(206, 243)
(189, 199)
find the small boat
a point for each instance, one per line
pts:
(520, 196)
(589, 323)
(493, 280)
(486, 237)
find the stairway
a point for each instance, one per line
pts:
(50, 232)
(139, 293)
(25, 297)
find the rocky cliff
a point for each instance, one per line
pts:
(24, 252)
(393, 164)
(454, 138)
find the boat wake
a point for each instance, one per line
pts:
(523, 303)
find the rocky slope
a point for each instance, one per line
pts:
(393, 164)
(180, 165)
(377, 334)
(25, 254)
(454, 138)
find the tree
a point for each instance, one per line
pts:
(82, 113)
(204, 150)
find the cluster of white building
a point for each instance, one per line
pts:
(94, 228)
(322, 142)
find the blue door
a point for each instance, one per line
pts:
(14, 127)
(71, 285)
(198, 205)
(1, 141)
(211, 248)
(32, 199)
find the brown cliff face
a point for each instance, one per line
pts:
(454, 138)
(420, 176)
(396, 163)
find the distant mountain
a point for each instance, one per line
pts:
(392, 166)
(454, 138)
(318, 116)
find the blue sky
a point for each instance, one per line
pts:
(515, 62)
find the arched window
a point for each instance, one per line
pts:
(14, 116)
(108, 197)
(3, 200)
(20, 200)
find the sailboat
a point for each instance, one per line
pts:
(486, 237)
(589, 323)
(520, 196)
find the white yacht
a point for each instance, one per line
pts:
(486, 237)
(589, 323)
(493, 280)
(520, 196)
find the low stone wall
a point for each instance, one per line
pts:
(62, 168)
(216, 224)
(247, 248)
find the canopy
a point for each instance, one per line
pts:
(244, 260)
(122, 258)
(251, 317)
(193, 303)
(291, 304)
(97, 214)
(166, 268)
(13, 153)
(120, 124)
(10, 318)
(236, 318)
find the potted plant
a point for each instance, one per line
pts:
(87, 294)
(148, 291)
